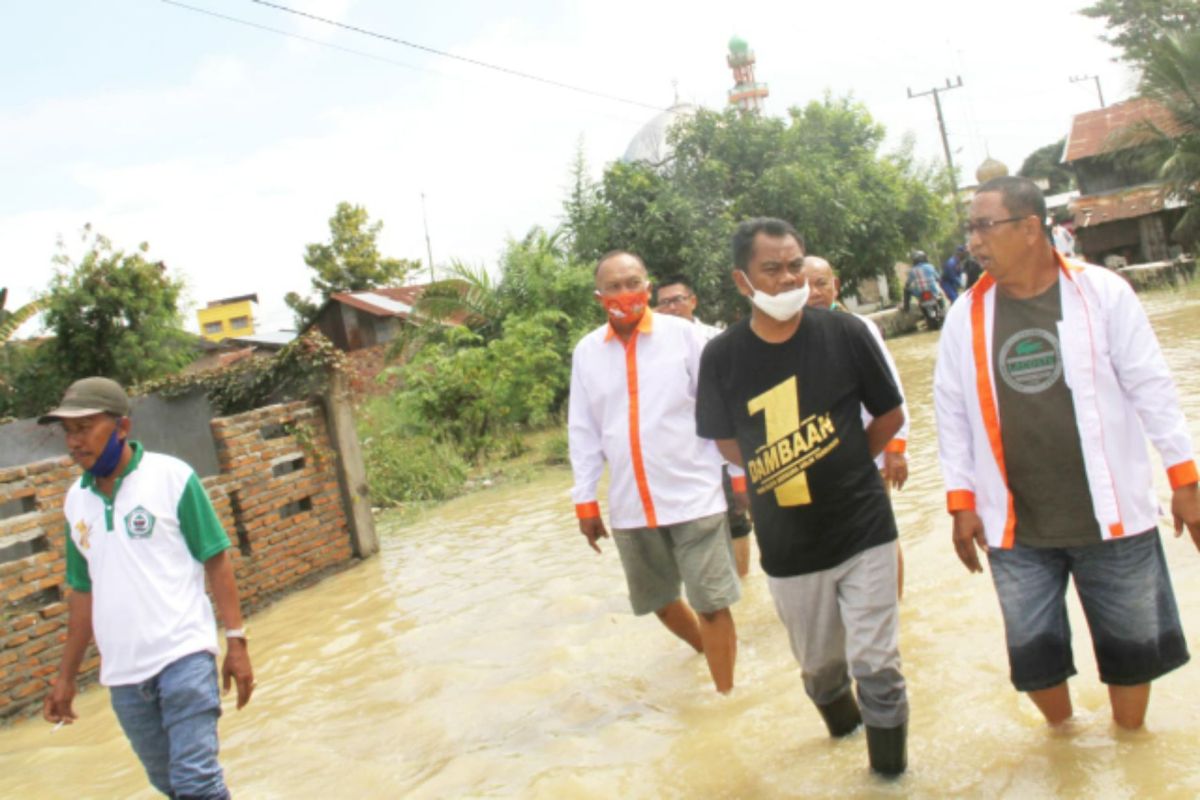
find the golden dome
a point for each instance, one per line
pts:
(990, 168)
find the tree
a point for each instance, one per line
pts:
(11, 320)
(112, 313)
(536, 273)
(820, 168)
(349, 262)
(1136, 26)
(1046, 163)
(1172, 78)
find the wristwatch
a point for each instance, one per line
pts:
(235, 633)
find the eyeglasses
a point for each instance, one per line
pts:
(985, 225)
(673, 300)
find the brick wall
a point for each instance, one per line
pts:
(277, 495)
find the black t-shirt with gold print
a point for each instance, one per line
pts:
(795, 409)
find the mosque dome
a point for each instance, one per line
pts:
(990, 168)
(650, 144)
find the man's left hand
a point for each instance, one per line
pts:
(1185, 508)
(237, 668)
(895, 469)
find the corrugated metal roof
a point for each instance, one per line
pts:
(1137, 202)
(1105, 130)
(382, 302)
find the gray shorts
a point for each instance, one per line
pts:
(697, 552)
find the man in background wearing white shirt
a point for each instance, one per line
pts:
(632, 406)
(676, 297)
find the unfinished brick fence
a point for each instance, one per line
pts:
(290, 502)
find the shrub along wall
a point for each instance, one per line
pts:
(278, 495)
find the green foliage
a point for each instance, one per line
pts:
(403, 466)
(1046, 162)
(555, 449)
(1172, 77)
(114, 314)
(11, 320)
(300, 369)
(349, 262)
(473, 393)
(820, 168)
(414, 469)
(1138, 27)
(537, 272)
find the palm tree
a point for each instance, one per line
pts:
(11, 320)
(1172, 78)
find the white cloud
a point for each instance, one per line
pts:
(190, 167)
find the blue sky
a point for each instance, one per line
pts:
(227, 147)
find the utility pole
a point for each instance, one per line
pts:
(937, 104)
(428, 246)
(1096, 78)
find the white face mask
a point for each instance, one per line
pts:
(782, 306)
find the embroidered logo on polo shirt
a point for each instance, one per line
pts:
(83, 530)
(139, 523)
(1030, 361)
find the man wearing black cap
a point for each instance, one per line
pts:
(141, 538)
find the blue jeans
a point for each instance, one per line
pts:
(171, 721)
(1125, 591)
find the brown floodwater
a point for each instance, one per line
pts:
(487, 652)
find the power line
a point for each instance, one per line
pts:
(291, 35)
(474, 62)
(1096, 78)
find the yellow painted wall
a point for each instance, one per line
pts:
(224, 317)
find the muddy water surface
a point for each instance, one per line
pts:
(489, 652)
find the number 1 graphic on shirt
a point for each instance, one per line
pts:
(781, 413)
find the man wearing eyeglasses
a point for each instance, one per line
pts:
(1048, 381)
(676, 297)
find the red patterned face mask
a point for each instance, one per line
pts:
(626, 309)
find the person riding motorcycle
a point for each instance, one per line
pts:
(922, 278)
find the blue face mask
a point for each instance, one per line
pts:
(106, 464)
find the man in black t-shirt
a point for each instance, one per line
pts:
(782, 394)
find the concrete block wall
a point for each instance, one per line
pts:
(277, 494)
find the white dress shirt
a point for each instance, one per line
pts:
(633, 405)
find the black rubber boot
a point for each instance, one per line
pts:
(887, 749)
(841, 716)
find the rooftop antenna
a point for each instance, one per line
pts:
(428, 246)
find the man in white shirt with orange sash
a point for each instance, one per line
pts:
(1049, 380)
(632, 406)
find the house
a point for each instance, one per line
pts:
(1123, 212)
(233, 316)
(356, 320)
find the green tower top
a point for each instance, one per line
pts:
(738, 46)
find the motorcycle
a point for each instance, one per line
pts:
(933, 309)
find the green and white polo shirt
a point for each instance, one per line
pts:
(141, 555)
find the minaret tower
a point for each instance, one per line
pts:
(746, 94)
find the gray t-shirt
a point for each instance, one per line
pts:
(1042, 453)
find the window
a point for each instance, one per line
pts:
(239, 323)
(212, 328)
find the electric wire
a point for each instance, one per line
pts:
(465, 59)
